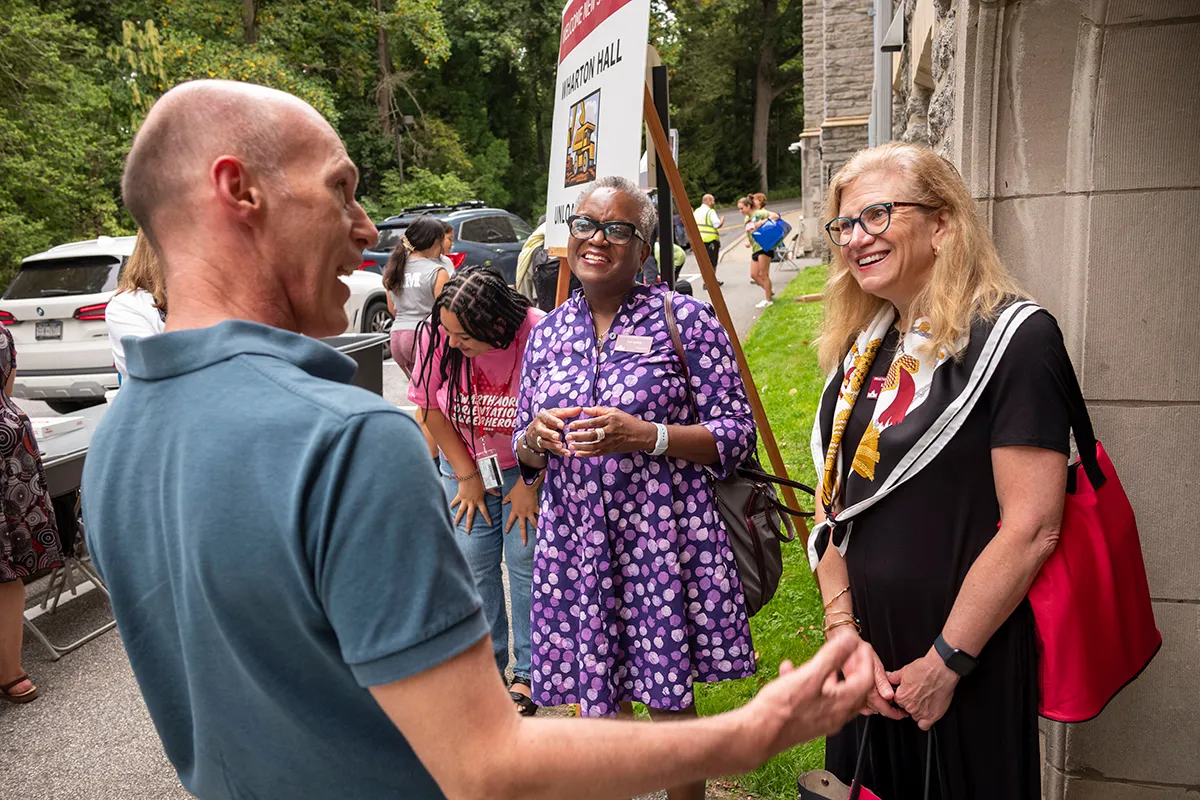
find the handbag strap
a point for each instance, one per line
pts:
(749, 472)
(856, 782)
(673, 329)
(1081, 427)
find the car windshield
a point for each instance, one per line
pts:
(64, 276)
(389, 238)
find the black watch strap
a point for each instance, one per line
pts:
(961, 663)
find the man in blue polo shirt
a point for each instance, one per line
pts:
(300, 626)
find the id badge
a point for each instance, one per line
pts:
(489, 470)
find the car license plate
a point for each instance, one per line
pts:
(48, 330)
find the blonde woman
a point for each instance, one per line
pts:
(139, 307)
(760, 259)
(941, 440)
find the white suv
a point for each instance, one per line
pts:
(54, 308)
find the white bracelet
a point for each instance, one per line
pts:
(660, 443)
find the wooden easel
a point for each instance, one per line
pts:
(675, 181)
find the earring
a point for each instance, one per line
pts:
(936, 251)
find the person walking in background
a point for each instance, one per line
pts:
(139, 306)
(760, 266)
(709, 223)
(373, 674)
(636, 591)
(29, 540)
(415, 273)
(413, 277)
(447, 245)
(934, 575)
(466, 386)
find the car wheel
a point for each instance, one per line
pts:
(71, 406)
(377, 319)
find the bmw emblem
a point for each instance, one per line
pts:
(41, 312)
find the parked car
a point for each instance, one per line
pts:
(54, 308)
(482, 235)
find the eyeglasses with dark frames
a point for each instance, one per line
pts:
(582, 227)
(874, 219)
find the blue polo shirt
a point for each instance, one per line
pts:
(275, 541)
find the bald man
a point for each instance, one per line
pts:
(298, 628)
(710, 224)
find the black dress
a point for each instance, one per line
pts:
(907, 559)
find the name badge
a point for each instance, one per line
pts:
(634, 344)
(876, 387)
(489, 470)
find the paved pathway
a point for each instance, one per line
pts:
(89, 737)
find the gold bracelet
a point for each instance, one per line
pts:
(849, 614)
(833, 625)
(836, 596)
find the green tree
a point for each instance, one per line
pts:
(60, 138)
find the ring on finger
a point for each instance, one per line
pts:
(600, 434)
(537, 441)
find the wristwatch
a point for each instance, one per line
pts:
(960, 662)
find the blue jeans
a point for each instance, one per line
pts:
(483, 548)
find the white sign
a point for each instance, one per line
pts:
(598, 102)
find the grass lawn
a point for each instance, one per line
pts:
(784, 365)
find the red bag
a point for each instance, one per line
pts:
(1091, 601)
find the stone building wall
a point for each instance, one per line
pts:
(838, 73)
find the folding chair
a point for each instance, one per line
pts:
(75, 563)
(786, 252)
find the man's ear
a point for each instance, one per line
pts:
(236, 190)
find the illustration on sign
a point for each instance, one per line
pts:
(601, 57)
(584, 127)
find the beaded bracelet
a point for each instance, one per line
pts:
(461, 478)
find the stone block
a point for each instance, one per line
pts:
(1167, 504)
(1125, 11)
(1043, 242)
(1141, 293)
(1148, 108)
(1034, 106)
(1089, 789)
(1149, 732)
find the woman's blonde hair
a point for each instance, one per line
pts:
(967, 282)
(142, 271)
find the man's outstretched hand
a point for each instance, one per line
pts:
(808, 701)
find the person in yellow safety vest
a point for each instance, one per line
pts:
(710, 224)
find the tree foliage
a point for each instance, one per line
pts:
(437, 101)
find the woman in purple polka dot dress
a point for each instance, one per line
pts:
(635, 588)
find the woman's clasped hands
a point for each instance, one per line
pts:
(588, 432)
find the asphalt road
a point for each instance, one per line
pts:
(89, 737)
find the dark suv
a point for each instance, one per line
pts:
(482, 235)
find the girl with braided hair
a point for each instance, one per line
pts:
(465, 385)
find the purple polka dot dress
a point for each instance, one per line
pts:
(635, 588)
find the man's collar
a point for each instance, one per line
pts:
(169, 355)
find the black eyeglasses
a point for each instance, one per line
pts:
(614, 232)
(875, 219)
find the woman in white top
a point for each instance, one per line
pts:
(139, 307)
(413, 277)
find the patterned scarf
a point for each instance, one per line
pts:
(920, 404)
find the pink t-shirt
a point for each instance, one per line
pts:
(495, 377)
